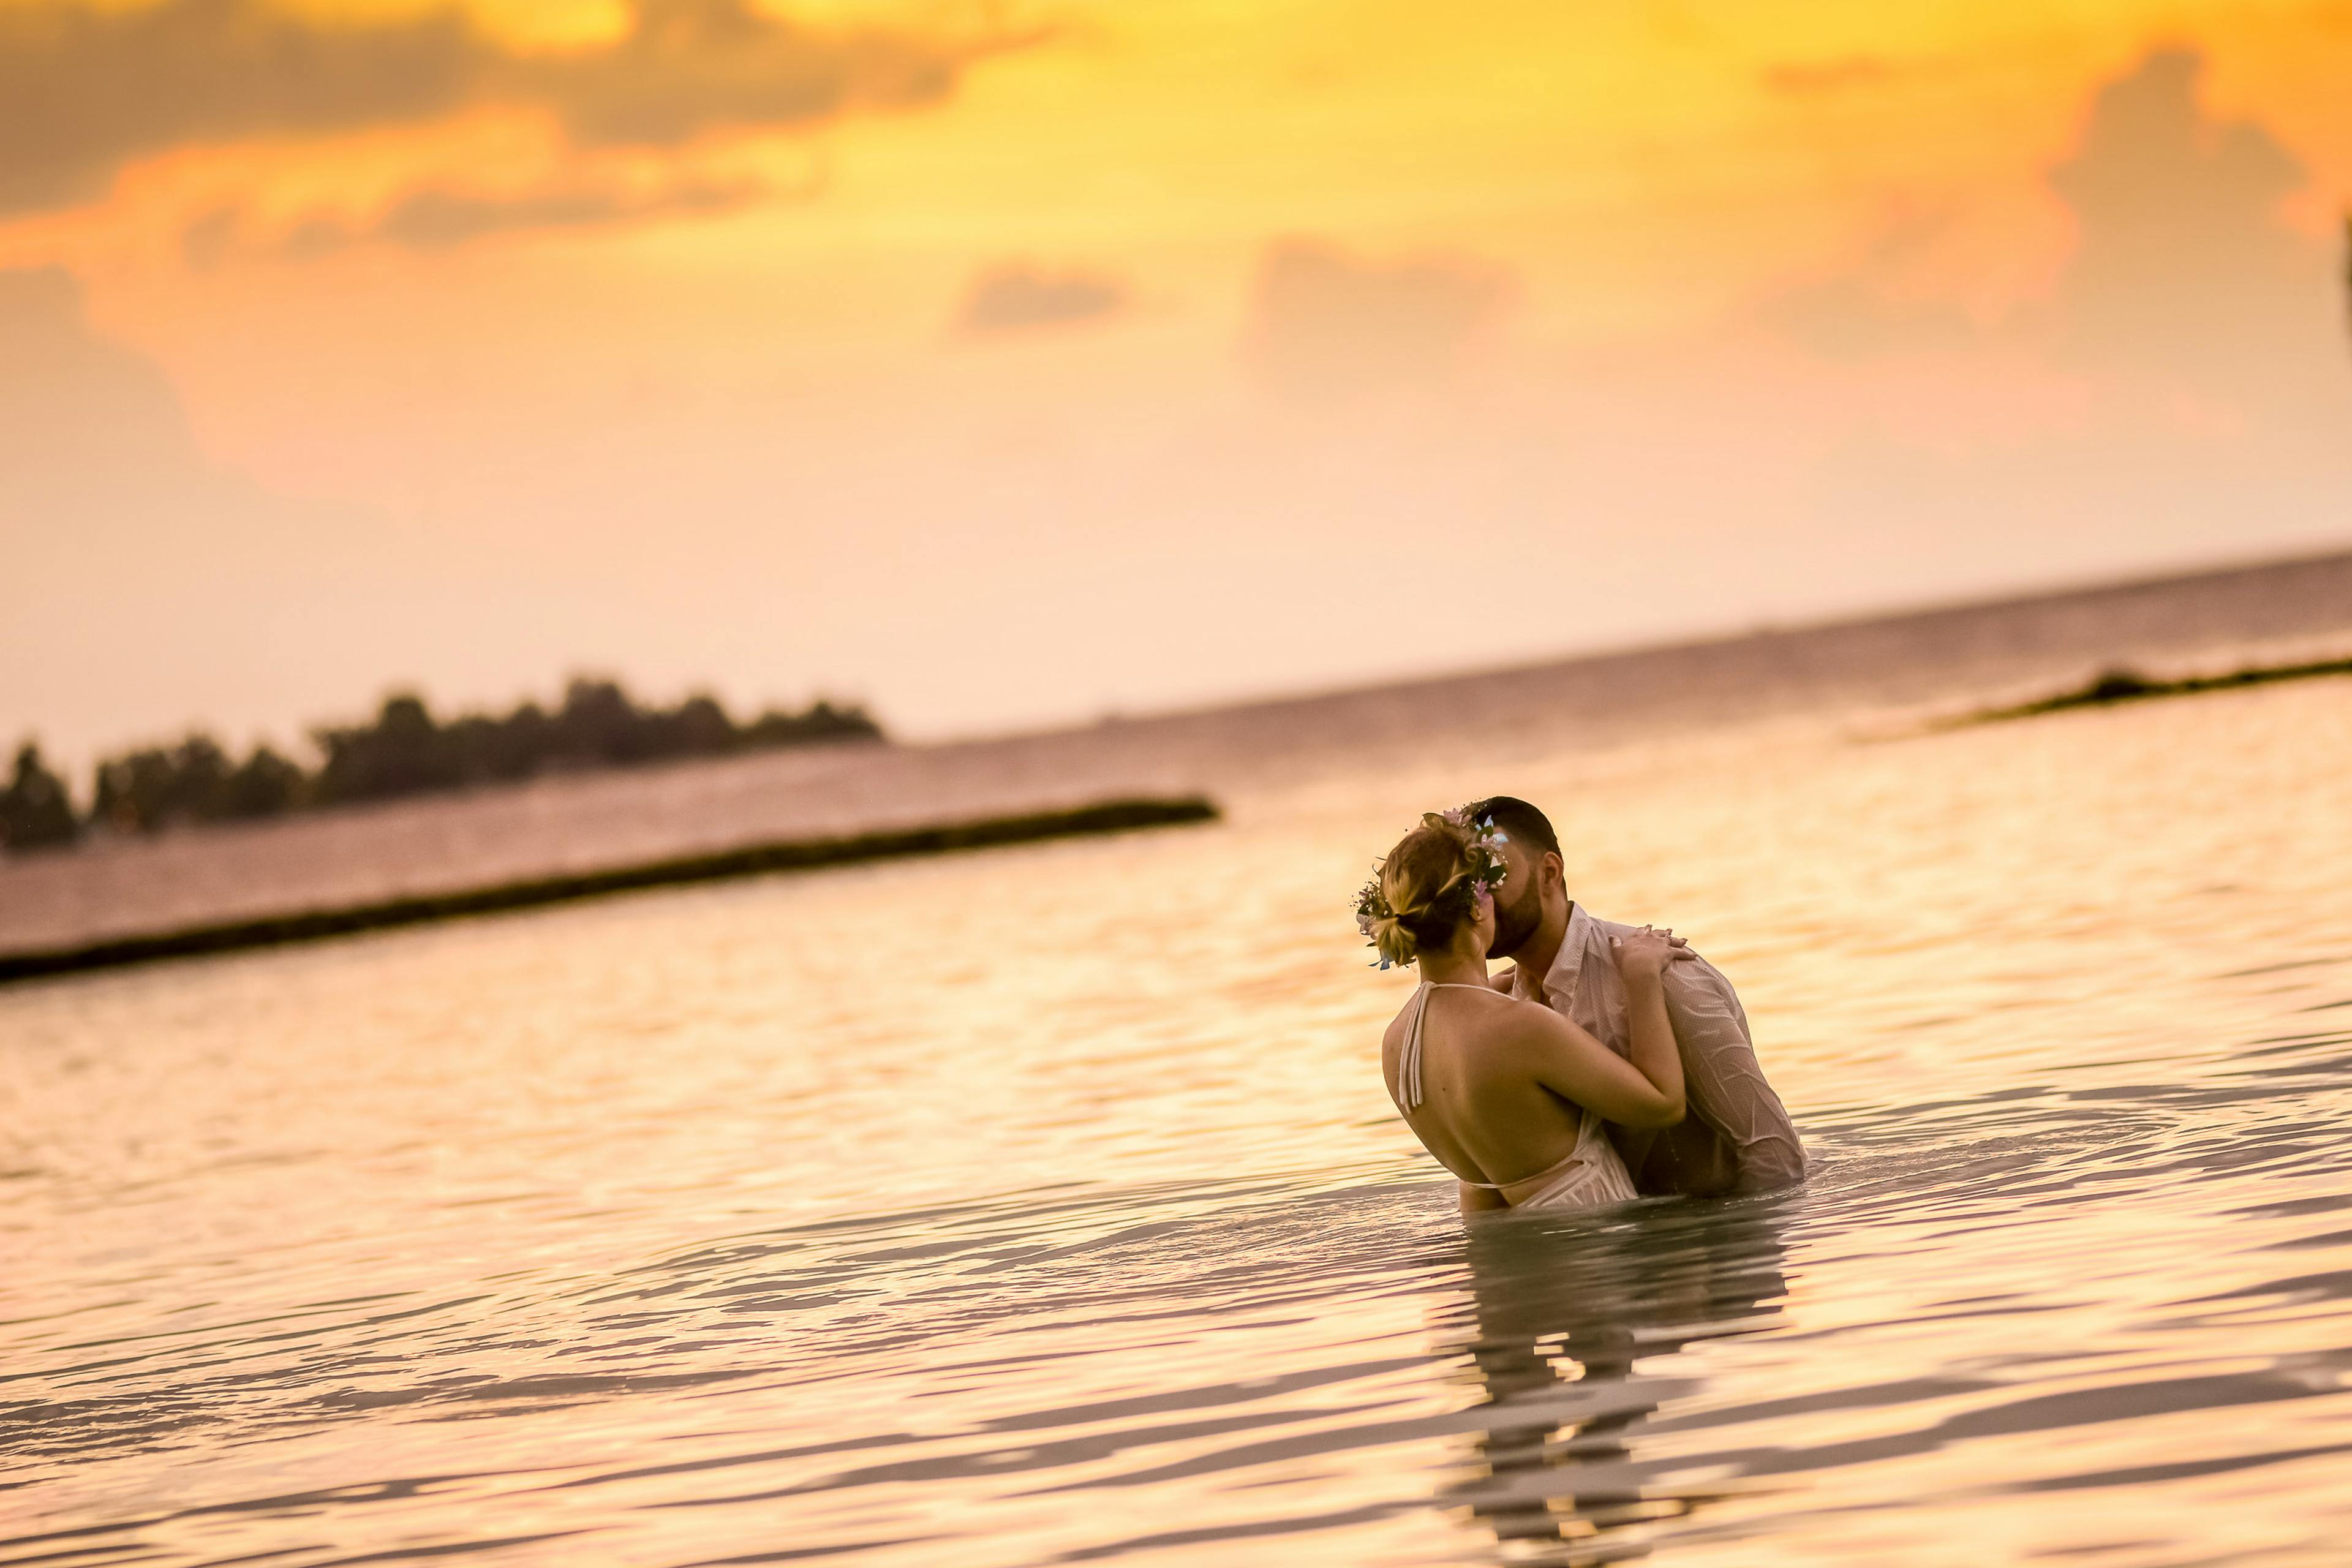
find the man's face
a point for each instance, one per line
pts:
(1519, 903)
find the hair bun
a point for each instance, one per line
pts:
(1392, 940)
(1429, 884)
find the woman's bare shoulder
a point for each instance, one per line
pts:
(1504, 1021)
(1481, 1010)
(1513, 1022)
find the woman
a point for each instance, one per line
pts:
(1509, 1096)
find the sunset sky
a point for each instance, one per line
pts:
(1002, 364)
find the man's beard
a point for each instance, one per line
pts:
(1514, 925)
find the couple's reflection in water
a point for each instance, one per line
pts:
(1573, 1326)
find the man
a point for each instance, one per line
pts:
(1736, 1136)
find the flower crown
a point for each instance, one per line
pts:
(1486, 868)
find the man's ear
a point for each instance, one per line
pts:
(1554, 869)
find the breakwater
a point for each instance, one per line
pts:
(2117, 686)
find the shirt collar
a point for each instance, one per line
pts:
(1566, 964)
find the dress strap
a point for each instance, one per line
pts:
(1408, 1093)
(1408, 1089)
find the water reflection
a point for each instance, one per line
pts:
(1562, 1308)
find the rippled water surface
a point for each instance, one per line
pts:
(1045, 1205)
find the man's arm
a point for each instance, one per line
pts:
(1728, 1087)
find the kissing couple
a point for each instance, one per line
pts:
(1610, 1062)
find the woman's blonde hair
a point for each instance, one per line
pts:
(1428, 885)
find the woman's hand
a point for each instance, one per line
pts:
(1645, 954)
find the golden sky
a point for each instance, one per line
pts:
(1011, 363)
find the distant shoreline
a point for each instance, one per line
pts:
(750, 861)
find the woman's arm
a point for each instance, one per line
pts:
(1641, 960)
(1576, 1066)
(1645, 1092)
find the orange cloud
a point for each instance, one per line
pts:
(84, 92)
(1020, 297)
(1807, 78)
(1322, 320)
(433, 217)
(2184, 267)
(2184, 245)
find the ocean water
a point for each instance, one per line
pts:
(1045, 1205)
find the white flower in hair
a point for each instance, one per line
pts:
(1485, 848)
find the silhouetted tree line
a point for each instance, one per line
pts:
(402, 750)
(35, 810)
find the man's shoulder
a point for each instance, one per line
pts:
(1606, 929)
(1695, 970)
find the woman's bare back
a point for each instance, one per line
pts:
(1480, 1109)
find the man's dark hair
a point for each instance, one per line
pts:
(1518, 821)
